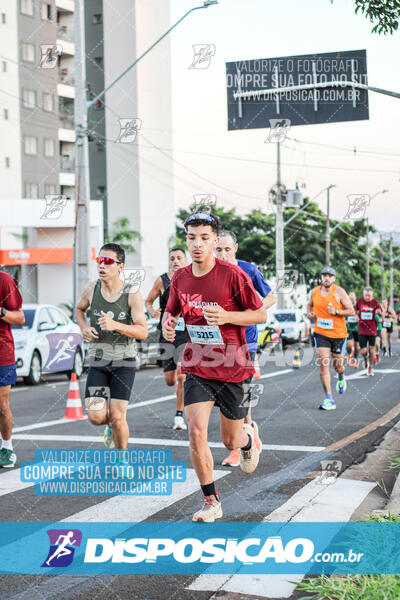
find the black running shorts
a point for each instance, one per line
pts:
(353, 335)
(114, 380)
(366, 339)
(336, 345)
(172, 351)
(232, 398)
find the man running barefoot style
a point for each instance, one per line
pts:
(172, 364)
(353, 346)
(366, 309)
(10, 314)
(226, 249)
(116, 319)
(330, 304)
(217, 301)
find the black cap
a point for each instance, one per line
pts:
(328, 271)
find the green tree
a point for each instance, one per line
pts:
(384, 14)
(124, 236)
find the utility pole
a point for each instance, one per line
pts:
(81, 237)
(279, 245)
(367, 256)
(383, 291)
(391, 269)
(328, 228)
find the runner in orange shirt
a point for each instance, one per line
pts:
(330, 304)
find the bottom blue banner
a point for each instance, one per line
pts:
(193, 548)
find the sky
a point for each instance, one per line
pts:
(208, 157)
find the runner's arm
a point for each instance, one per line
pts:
(155, 291)
(139, 330)
(310, 306)
(347, 309)
(269, 300)
(379, 311)
(82, 306)
(14, 317)
(392, 313)
(216, 315)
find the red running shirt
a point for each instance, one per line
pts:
(367, 324)
(232, 289)
(11, 299)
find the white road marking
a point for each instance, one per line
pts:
(315, 502)
(363, 373)
(153, 442)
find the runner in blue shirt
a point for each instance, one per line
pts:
(226, 249)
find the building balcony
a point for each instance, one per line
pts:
(67, 165)
(66, 90)
(66, 120)
(66, 135)
(66, 179)
(65, 6)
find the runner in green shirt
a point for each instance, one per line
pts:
(353, 346)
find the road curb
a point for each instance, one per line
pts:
(394, 503)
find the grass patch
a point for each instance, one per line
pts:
(354, 587)
(394, 464)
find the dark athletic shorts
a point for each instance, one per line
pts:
(232, 398)
(336, 345)
(173, 350)
(389, 329)
(353, 335)
(113, 380)
(8, 375)
(366, 339)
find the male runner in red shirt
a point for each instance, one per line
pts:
(217, 301)
(366, 308)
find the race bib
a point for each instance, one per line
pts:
(180, 326)
(387, 324)
(366, 316)
(351, 320)
(205, 334)
(324, 323)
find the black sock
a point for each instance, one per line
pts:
(209, 489)
(179, 413)
(248, 445)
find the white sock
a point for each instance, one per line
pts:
(7, 444)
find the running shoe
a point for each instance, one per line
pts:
(327, 404)
(341, 386)
(233, 460)
(390, 353)
(179, 422)
(210, 510)
(355, 363)
(107, 437)
(249, 458)
(370, 372)
(8, 458)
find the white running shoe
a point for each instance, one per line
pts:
(210, 510)
(179, 422)
(249, 458)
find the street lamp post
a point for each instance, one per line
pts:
(328, 233)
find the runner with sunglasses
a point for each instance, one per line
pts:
(116, 319)
(217, 301)
(172, 363)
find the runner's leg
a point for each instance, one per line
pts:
(198, 416)
(120, 429)
(323, 355)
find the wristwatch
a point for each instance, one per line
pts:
(336, 311)
(3, 312)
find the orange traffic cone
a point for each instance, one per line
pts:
(257, 374)
(74, 403)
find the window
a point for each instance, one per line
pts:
(99, 61)
(31, 190)
(100, 190)
(44, 317)
(3, 18)
(46, 11)
(48, 102)
(7, 162)
(5, 112)
(49, 147)
(29, 98)
(27, 7)
(28, 52)
(57, 316)
(4, 66)
(97, 19)
(50, 189)
(30, 144)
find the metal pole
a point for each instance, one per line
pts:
(367, 257)
(328, 233)
(383, 291)
(81, 157)
(391, 268)
(279, 244)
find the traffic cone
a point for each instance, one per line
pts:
(257, 374)
(296, 363)
(74, 403)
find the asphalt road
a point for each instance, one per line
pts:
(296, 437)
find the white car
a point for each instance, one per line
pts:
(48, 342)
(293, 324)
